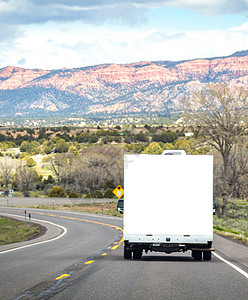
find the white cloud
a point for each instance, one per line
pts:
(51, 47)
(98, 11)
(74, 33)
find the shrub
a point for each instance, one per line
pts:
(108, 194)
(73, 194)
(57, 192)
(97, 194)
(62, 192)
(54, 192)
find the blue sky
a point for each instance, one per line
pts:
(51, 34)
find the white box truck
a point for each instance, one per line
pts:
(168, 204)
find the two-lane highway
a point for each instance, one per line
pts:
(86, 238)
(87, 263)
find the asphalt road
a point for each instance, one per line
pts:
(86, 262)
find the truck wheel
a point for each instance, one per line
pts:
(197, 255)
(207, 255)
(137, 254)
(127, 253)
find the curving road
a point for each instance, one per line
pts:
(83, 260)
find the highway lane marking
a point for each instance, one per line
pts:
(231, 265)
(103, 224)
(63, 276)
(60, 278)
(89, 262)
(38, 243)
(78, 219)
(115, 247)
(65, 230)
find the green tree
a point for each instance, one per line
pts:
(31, 148)
(24, 146)
(74, 150)
(30, 162)
(165, 137)
(34, 148)
(48, 150)
(168, 146)
(62, 146)
(153, 148)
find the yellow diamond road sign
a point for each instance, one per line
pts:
(118, 191)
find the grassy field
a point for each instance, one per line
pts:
(235, 225)
(233, 228)
(12, 231)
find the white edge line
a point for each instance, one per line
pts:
(38, 243)
(232, 265)
(65, 231)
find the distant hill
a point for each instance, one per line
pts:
(111, 89)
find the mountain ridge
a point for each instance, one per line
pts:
(139, 87)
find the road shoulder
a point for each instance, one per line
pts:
(232, 251)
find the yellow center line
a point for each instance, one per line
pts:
(89, 262)
(83, 220)
(62, 276)
(77, 219)
(115, 247)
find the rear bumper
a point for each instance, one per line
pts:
(167, 247)
(168, 238)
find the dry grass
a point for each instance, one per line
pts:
(106, 208)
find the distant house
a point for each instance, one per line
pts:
(188, 134)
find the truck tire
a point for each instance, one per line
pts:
(207, 255)
(197, 255)
(127, 253)
(137, 254)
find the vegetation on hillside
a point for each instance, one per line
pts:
(76, 162)
(84, 163)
